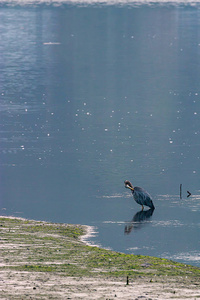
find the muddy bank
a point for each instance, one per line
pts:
(41, 260)
(33, 285)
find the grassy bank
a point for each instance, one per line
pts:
(35, 246)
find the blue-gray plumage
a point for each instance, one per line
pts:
(140, 195)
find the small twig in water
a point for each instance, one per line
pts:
(189, 194)
(181, 191)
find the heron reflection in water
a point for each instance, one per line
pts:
(140, 195)
(138, 220)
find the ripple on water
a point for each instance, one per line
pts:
(168, 223)
(190, 257)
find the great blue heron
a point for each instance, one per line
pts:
(140, 195)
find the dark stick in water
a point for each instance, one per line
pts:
(181, 191)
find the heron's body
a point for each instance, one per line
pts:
(140, 195)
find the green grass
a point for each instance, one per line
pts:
(35, 246)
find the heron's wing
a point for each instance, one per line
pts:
(142, 191)
(142, 196)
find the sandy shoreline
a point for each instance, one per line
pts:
(41, 260)
(27, 285)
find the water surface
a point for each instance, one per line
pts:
(91, 96)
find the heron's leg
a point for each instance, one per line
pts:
(142, 207)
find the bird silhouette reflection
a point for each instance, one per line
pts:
(138, 220)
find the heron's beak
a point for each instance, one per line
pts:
(129, 187)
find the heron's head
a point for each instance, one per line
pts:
(128, 185)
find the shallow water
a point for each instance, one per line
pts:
(91, 96)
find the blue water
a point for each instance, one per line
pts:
(90, 96)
